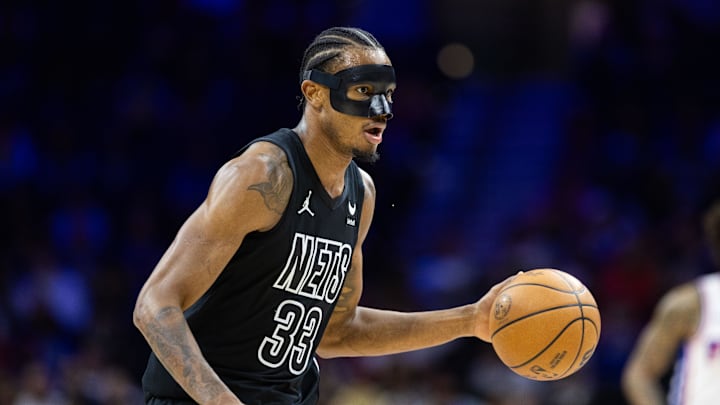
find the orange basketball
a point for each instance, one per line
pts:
(545, 324)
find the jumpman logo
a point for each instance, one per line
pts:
(306, 205)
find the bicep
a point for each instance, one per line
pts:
(193, 261)
(655, 350)
(236, 205)
(672, 323)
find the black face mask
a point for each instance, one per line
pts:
(380, 77)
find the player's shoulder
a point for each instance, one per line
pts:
(680, 302)
(261, 160)
(259, 180)
(368, 183)
(261, 151)
(262, 167)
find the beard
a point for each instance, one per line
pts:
(366, 156)
(369, 155)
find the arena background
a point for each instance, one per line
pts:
(577, 134)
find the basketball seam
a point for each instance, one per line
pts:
(582, 334)
(582, 340)
(573, 292)
(539, 312)
(550, 344)
(570, 367)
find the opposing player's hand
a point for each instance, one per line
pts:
(485, 309)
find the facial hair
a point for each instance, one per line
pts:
(366, 156)
(369, 156)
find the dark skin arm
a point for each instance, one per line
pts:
(674, 321)
(354, 330)
(248, 193)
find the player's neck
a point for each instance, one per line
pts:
(329, 164)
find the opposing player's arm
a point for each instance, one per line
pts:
(354, 330)
(674, 320)
(248, 193)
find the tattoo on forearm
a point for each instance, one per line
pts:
(169, 336)
(275, 191)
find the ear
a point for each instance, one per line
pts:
(315, 94)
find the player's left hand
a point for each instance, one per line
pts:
(485, 309)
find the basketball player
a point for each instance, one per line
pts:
(687, 317)
(267, 272)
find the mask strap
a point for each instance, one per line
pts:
(326, 79)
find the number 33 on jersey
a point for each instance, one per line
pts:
(315, 269)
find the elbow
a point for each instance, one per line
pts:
(344, 337)
(151, 308)
(626, 380)
(141, 313)
(138, 316)
(323, 354)
(343, 345)
(327, 349)
(631, 378)
(335, 343)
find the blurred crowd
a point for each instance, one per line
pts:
(585, 136)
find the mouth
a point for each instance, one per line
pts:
(373, 133)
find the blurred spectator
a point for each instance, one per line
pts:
(36, 387)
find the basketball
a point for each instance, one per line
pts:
(545, 324)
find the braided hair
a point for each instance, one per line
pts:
(330, 44)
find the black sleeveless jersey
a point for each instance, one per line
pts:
(260, 323)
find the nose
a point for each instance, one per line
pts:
(379, 105)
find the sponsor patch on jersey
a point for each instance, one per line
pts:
(351, 219)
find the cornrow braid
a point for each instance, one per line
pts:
(329, 44)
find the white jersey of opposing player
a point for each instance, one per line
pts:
(696, 380)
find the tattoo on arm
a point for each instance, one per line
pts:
(344, 299)
(348, 298)
(170, 337)
(276, 190)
